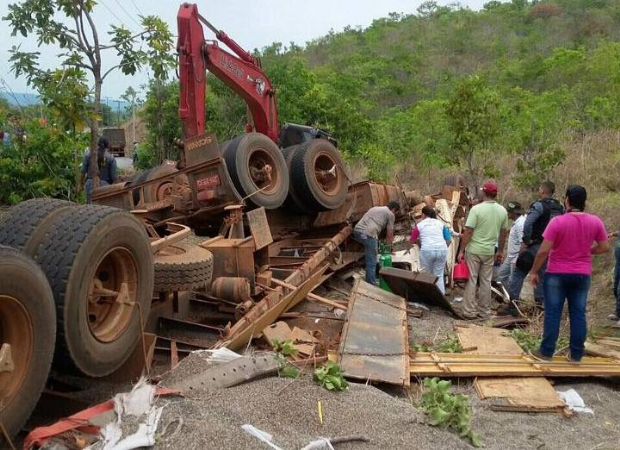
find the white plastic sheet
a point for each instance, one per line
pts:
(574, 401)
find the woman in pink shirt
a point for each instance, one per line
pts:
(569, 242)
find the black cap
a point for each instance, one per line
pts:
(515, 207)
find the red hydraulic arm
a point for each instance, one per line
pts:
(240, 71)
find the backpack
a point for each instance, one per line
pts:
(551, 209)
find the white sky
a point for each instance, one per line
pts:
(253, 24)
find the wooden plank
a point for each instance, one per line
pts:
(468, 365)
(487, 340)
(521, 394)
(516, 394)
(597, 349)
(374, 344)
(279, 331)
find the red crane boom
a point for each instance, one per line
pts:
(240, 71)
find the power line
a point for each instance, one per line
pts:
(137, 9)
(129, 15)
(114, 14)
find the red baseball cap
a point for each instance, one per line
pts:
(490, 187)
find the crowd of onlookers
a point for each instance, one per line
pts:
(553, 243)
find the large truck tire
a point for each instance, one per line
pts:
(183, 267)
(246, 158)
(157, 191)
(293, 202)
(28, 325)
(318, 175)
(27, 223)
(99, 265)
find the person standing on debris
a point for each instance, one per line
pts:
(486, 226)
(107, 168)
(616, 316)
(367, 233)
(539, 215)
(433, 237)
(517, 215)
(569, 241)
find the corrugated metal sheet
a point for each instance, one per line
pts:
(375, 343)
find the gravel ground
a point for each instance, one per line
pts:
(288, 410)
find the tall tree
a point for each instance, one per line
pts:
(82, 50)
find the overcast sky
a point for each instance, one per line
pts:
(254, 24)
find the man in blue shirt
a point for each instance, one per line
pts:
(539, 215)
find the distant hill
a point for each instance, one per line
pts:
(20, 98)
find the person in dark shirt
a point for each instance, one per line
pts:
(107, 168)
(539, 215)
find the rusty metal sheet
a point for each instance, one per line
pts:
(375, 343)
(259, 226)
(415, 286)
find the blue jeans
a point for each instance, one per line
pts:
(617, 280)
(558, 288)
(517, 277)
(434, 261)
(371, 249)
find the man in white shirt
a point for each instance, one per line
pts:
(517, 215)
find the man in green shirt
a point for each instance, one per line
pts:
(486, 227)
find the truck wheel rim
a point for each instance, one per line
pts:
(16, 329)
(112, 295)
(263, 171)
(327, 174)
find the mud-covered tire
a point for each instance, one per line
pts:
(293, 202)
(27, 223)
(183, 267)
(307, 161)
(110, 244)
(28, 324)
(257, 150)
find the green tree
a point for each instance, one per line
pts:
(82, 52)
(474, 119)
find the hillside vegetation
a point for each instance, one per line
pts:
(444, 88)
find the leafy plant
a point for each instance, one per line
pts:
(530, 342)
(330, 377)
(448, 410)
(449, 345)
(284, 350)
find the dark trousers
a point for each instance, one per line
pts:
(558, 289)
(371, 249)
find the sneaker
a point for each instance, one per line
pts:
(508, 310)
(571, 360)
(613, 317)
(467, 316)
(539, 356)
(616, 325)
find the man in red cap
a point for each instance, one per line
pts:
(486, 227)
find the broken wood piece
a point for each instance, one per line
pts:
(597, 349)
(313, 297)
(520, 394)
(278, 331)
(303, 341)
(375, 341)
(487, 340)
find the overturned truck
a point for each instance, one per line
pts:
(96, 289)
